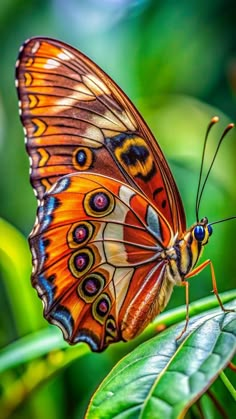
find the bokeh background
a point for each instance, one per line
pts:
(177, 62)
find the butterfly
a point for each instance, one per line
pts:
(110, 238)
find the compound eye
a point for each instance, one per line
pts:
(210, 229)
(199, 233)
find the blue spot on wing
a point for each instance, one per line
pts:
(88, 337)
(61, 316)
(46, 288)
(153, 223)
(117, 141)
(40, 249)
(54, 313)
(61, 185)
(51, 203)
(46, 212)
(81, 157)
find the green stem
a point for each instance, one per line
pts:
(228, 385)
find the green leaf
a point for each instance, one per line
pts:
(42, 342)
(15, 265)
(35, 345)
(163, 377)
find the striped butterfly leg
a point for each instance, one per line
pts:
(194, 272)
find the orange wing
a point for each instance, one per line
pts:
(76, 119)
(98, 283)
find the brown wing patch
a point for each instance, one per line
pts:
(68, 101)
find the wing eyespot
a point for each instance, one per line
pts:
(82, 158)
(99, 203)
(81, 262)
(101, 308)
(91, 286)
(79, 234)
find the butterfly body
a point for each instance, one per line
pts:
(110, 239)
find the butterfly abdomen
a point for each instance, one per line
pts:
(177, 262)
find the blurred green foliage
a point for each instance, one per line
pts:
(177, 62)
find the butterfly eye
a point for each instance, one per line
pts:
(210, 229)
(199, 233)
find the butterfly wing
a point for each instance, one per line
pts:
(76, 118)
(94, 277)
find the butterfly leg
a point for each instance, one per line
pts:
(198, 269)
(194, 272)
(186, 285)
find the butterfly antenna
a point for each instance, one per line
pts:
(213, 121)
(225, 132)
(223, 220)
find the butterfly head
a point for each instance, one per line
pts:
(192, 244)
(202, 231)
